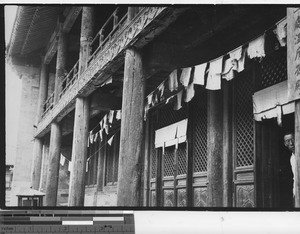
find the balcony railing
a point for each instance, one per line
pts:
(69, 79)
(112, 26)
(48, 104)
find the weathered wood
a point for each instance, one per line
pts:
(51, 48)
(81, 120)
(101, 165)
(42, 90)
(97, 71)
(129, 179)
(37, 164)
(132, 12)
(71, 18)
(293, 53)
(227, 145)
(297, 153)
(60, 64)
(215, 149)
(79, 152)
(86, 36)
(146, 163)
(53, 169)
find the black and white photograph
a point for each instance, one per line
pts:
(152, 106)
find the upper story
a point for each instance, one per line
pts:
(170, 37)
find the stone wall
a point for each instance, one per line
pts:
(24, 154)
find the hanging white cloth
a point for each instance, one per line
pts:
(111, 116)
(173, 84)
(146, 109)
(178, 100)
(62, 160)
(199, 74)
(281, 32)
(256, 47)
(101, 134)
(190, 92)
(161, 89)
(214, 75)
(110, 140)
(96, 136)
(118, 115)
(105, 124)
(185, 76)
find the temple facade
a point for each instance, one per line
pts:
(163, 106)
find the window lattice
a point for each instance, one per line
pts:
(273, 69)
(168, 159)
(169, 116)
(182, 159)
(200, 131)
(153, 161)
(244, 122)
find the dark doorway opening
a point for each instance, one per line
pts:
(274, 177)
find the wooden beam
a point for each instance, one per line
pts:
(71, 18)
(43, 88)
(131, 143)
(51, 47)
(215, 149)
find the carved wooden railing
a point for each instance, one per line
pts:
(114, 47)
(48, 104)
(112, 25)
(69, 79)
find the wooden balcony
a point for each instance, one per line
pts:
(149, 22)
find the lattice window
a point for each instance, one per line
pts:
(244, 135)
(153, 161)
(273, 69)
(200, 131)
(168, 160)
(182, 159)
(168, 116)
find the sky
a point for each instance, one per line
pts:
(12, 93)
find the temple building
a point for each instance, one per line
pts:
(164, 106)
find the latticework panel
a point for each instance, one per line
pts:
(200, 131)
(169, 116)
(168, 198)
(109, 164)
(244, 131)
(273, 69)
(153, 154)
(182, 159)
(181, 197)
(168, 160)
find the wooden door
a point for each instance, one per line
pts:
(243, 142)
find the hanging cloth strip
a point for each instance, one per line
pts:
(101, 134)
(110, 140)
(62, 160)
(96, 136)
(199, 74)
(110, 116)
(178, 100)
(214, 75)
(118, 115)
(185, 76)
(281, 32)
(189, 93)
(173, 83)
(256, 48)
(105, 124)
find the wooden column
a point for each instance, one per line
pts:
(38, 144)
(37, 163)
(79, 152)
(81, 121)
(227, 145)
(86, 36)
(215, 149)
(131, 143)
(43, 90)
(60, 64)
(55, 135)
(53, 168)
(297, 153)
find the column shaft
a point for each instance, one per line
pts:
(131, 143)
